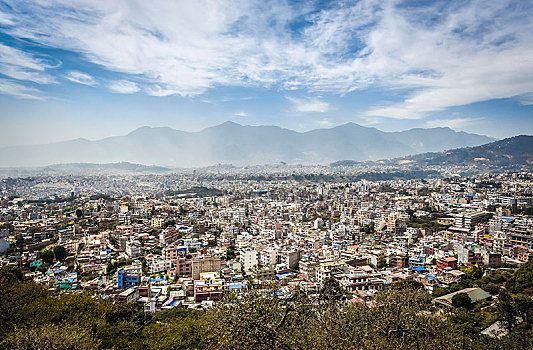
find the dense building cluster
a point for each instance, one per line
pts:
(184, 241)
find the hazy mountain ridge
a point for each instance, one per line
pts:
(517, 150)
(241, 145)
(512, 151)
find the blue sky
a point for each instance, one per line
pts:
(93, 69)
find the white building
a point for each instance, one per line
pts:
(133, 249)
(249, 259)
(157, 266)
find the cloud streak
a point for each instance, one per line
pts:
(440, 54)
(19, 90)
(307, 105)
(455, 123)
(21, 65)
(80, 78)
(123, 87)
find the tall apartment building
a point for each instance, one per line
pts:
(248, 258)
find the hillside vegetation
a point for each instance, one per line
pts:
(402, 318)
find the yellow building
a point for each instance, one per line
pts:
(157, 222)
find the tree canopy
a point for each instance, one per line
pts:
(269, 318)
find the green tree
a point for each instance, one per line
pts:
(507, 312)
(10, 275)
(439, 291)
(60, 252)
(66, 337)
(18, 291)
(47, 256)
(331, 291)
(522, 280)
(524, 307)
(409, 284)
(462, 300)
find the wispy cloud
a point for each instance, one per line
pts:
(21, 65)
(443, 54)
(18, 90)
(241, 114)
(308, 104)
(123, 87)
(455, 123)
(233, 99)
(80, 78)
(5, 19)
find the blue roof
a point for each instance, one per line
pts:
(507, 218)
(419, 269)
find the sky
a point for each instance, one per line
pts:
(93, 69)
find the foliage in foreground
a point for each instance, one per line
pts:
(403, 318)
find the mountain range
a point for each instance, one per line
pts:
(241, 145)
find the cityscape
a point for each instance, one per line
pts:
(266, 175)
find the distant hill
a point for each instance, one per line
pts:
(516, 150)
(241, 145)
(85, 169)
(513, 151)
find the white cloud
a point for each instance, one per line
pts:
(123, 87)
(18, 90)
(80, 78)
(456, 123)
(5, 19)
(241, 114)
(444, 53)
(21, 65)
(308, 104)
